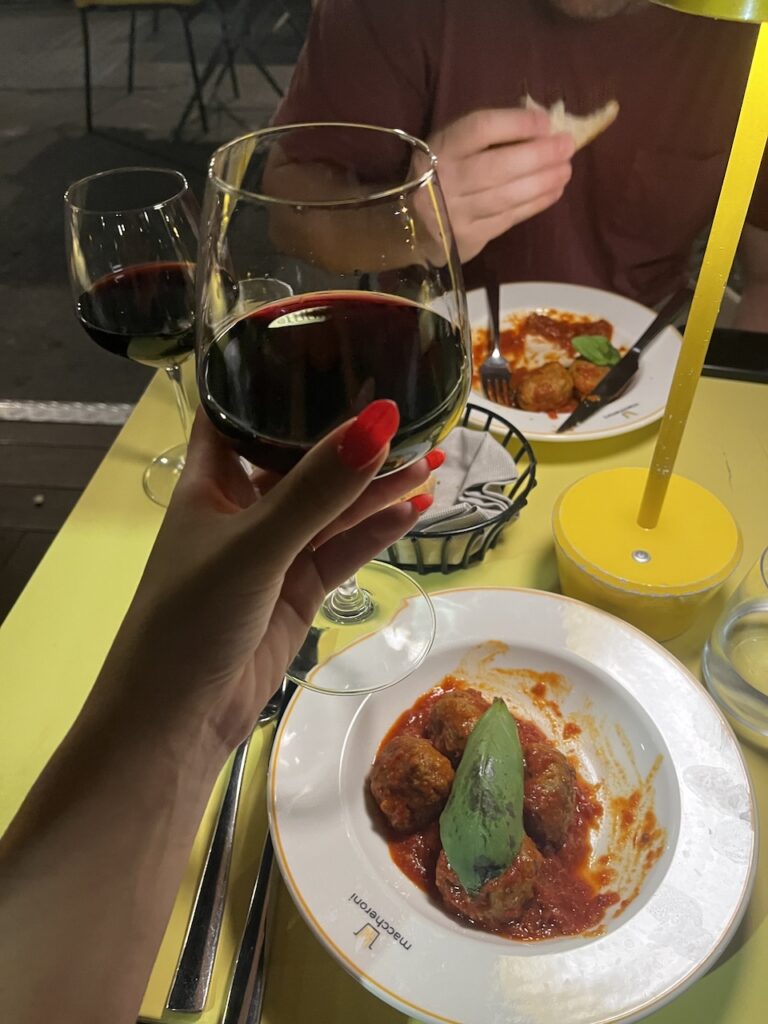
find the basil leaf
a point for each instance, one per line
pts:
(596, 348)
(481, 827)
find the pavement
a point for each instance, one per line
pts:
(45, 357)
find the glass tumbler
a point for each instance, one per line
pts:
(735, 658)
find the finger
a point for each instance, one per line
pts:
(265, 479)
(485, 229)
(342, 556)
(213, 466)
(207, 448)
(494, 127)
(504, 164)
(378, 495)
(312, 576)
(327, 481)
(515, 194)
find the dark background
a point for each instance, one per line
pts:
(51, 374)
(44, 355)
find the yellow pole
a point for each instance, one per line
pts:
(738, 184)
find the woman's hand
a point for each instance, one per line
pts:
(92, 862)
(241, 566)
(498, 168)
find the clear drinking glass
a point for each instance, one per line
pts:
(735, 658)
(131, 252)
(328, 278)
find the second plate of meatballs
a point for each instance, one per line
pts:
(539, 321)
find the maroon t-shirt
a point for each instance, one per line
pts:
(640, 193)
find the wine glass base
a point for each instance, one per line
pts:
(344, 609)
(369, 653)
(161, 474)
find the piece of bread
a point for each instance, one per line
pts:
(583, 128)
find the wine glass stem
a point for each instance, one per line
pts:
(182, 402)
(348, 602)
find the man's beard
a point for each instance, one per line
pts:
(594, 10)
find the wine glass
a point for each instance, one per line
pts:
(328, 278)
(131, 252)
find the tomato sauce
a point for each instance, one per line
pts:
(569, 894)
(551, 330)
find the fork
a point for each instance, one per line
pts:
(495, 376)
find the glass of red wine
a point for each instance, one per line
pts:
(328, 278)
(131, 251)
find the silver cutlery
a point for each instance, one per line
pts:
(192, 979)
(495, 375)
(618, 379)
(246, 990)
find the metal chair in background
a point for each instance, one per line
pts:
(186, 9)
(239, 19)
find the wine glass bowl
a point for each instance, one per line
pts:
(327, 279)
(132, 249)
(351, 220)
(152, 303)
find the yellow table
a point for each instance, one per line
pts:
(54, 641)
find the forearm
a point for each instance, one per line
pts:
(90, 867)
(752, 310)
(366, 240)
(387, 235)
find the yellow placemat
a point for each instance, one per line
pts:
(726, 450)
(78, 596)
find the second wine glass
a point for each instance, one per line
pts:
(328, 278)
(131, 248)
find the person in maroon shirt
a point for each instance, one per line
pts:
(621, 214)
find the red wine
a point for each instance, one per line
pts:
(145, 313)
(278, 379)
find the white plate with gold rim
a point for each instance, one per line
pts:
(645, 718)
(644, 400)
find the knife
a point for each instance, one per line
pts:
(189, 991)
(246, 991)
(619, 376)
(246, 987)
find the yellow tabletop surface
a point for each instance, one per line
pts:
(55, 639)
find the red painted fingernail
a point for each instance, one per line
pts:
(365, 438)
(435, 458)
(421, 502)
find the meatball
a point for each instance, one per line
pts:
(586, 376)
(410, 781)
(452, 719)
(501, 900)
(545, 389)
(549, 794)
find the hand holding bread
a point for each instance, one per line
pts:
(582, 128)
(499, 167)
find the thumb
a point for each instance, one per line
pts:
(327, 480)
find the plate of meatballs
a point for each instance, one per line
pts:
(542, 328)
(636, 825)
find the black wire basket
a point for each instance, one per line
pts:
(450, 550)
